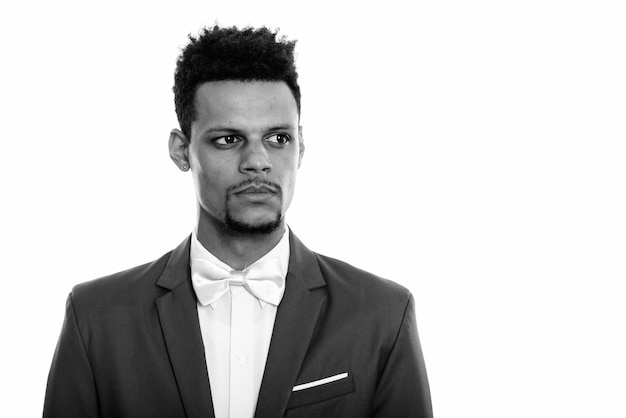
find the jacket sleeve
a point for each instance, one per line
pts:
(403, 390)
(71, 390)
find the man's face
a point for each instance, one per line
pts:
(244, 152)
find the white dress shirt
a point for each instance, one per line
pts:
(236, 331)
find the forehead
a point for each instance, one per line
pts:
(244, 103)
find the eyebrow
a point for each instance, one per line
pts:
(221, 129)
(281, 128)
(227, 129)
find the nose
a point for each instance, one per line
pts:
(256, 159)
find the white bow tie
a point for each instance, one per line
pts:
(264, 279)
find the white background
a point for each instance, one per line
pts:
(471, 150)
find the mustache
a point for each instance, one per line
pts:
(258, 182)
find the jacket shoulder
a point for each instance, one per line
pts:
(363, 302)
(121, 287)
(361, 284)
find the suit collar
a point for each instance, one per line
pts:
(303, 264)
(295, 322)
(178, 316)
(177, 268)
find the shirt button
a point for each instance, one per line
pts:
(241, 359)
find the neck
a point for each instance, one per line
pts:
(236, 249)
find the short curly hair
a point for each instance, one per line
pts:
(218, 54)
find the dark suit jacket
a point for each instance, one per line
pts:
(131, 346)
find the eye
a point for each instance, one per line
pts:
(227, 140)
(279, 139)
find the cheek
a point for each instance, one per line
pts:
(289, 162)
(290, 169)
(209, 179)
(214, 172)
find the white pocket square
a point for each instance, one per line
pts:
(320, 382)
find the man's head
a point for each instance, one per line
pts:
(238, 103)
(219, 54)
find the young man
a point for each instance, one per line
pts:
(241, 319)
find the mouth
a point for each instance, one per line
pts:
(256, 190)
(256, 187)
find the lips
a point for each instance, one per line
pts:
(254, 189)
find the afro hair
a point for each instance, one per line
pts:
(220, 54)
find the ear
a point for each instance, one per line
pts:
(301, 142)
(179, 149)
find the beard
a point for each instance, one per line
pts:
(247, 228)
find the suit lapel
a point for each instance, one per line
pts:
(295, 322)
(181, 330)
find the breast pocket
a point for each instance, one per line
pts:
(321, 390)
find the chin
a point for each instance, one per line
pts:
(255, 227)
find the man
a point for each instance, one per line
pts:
(241, 319)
